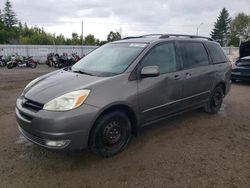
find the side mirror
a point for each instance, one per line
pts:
(150, 71)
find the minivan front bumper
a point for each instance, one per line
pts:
(67, 130)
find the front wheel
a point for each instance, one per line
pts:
(215, 101)
(110, 134)
(9, 66)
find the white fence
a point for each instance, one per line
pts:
(39, 52)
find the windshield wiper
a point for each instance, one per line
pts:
(82, 72)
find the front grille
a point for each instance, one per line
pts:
(32, 138)
(32, 105)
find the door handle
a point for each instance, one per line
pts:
(188, 75)
(177, 77)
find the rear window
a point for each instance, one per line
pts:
(216, 53)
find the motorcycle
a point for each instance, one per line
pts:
(2, 61)
(52, 60)
(76, 57)
(19, 61)
(65, 61)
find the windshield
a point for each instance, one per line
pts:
(109, 60)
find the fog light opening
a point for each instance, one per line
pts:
(56, 143)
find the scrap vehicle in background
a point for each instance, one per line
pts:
(241, 68)
(65, 60)
(52, 60)
(21, 61)
(2, 61)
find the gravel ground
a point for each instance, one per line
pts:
(194, 149)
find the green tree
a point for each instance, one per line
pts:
(75, 39)
(2, 30)
(220, 33)
(9, 16)
(90, 40)
(239, 29)
(60, 40)
(113, 36)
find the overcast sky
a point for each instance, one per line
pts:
(131, 17)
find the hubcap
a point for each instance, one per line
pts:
(217, 98)
(112, 133)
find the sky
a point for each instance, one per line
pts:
(130, 17)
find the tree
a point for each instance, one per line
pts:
(113, 36)
(9, 16)
(75, 39)
(90, 40)
(3, 31)
(239, 29)
(1, 19)
(220, 33)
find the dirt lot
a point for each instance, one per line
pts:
(192, 150)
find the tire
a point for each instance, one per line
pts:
(233, 80)
(9, 66)
(111, 134)
(33, 65)
(60, 65)
(215, 101)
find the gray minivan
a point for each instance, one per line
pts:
(114, 91)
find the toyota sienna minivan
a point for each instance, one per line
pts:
(117, 89)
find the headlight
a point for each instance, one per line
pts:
(67, 101)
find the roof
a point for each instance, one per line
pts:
(156, 37)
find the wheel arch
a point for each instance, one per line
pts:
(123, 108)
(222, 85)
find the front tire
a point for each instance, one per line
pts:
(215, 101)
(110, 134)
(9, 66)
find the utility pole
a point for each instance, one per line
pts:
(82, 40)
(197, 29)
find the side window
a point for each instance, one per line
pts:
(194, 54)
(216, 53)
(162, 56)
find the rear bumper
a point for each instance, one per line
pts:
(73, 126)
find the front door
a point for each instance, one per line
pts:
(158, 96)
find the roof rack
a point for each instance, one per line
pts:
(189, 36)
(162, 36)
(142, 36)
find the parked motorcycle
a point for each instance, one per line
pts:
(67, 60)
(19, 61)
(2, 61)
(52, 60)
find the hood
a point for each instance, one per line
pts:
(245, 49)
(57, 83)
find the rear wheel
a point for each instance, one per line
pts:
(215, 101)
(111, 134)
(33, 65)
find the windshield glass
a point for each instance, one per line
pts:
(109, 60)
